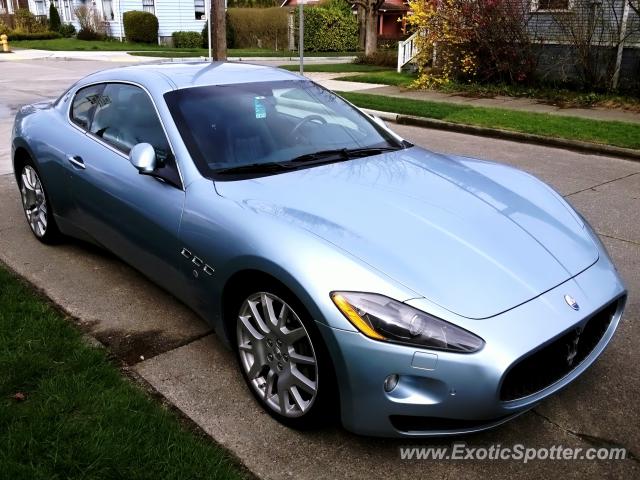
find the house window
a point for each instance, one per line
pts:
(67, 12)
(107, 10)
(40, 7)
(551, 5)
(199, 4)
(147, 6)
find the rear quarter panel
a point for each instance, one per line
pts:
(45, 133)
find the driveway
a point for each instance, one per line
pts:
(175, 352)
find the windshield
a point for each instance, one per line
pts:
(269, 127)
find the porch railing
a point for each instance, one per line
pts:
(407, 50)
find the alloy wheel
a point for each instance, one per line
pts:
(34, 201)
(277, 354)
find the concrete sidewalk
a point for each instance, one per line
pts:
(125, 57)
(330, 81)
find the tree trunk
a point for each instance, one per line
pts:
(362, 29)
(371, 37)
(219, 27)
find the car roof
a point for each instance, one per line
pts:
(177, 75)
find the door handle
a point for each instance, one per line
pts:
(76, 161)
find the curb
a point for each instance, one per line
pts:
(292, 59)
(575, 145)
(307, 60)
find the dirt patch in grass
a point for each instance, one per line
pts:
(134, 347)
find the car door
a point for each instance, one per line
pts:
(135, 216)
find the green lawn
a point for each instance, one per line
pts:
(387, 77)
(334, 67)
(176, 53)
(73, 44)
(66, 410)
(610, 133)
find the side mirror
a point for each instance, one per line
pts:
(143, 157)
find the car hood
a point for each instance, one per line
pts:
(474, 237)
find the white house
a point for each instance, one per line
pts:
(173, 15)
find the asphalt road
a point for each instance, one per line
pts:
(172, 350)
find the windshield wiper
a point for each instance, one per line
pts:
(342, 154)
(267, 167)
(322, 156)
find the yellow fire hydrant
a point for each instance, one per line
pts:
(4, 40)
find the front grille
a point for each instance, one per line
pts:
(554, 361)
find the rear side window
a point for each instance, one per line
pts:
(84, 104)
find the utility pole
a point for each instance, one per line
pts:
(219, 23)
(301, 37)
(209, 34)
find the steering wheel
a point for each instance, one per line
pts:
(305, 120)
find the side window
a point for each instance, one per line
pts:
(84, 104)
(125, 117)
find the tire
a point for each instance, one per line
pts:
(36, 204)
(283, 359)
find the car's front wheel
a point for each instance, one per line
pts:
(283, 359)
(36, 205)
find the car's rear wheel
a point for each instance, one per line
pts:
(36, 205)
(282, 358)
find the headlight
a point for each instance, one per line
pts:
(385, 319)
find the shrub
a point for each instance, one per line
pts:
(342, 5)
(187, 39)
(140, 27)
(26, 22)
(91, 25)
(67, 30)
(485, 41)
(54, 18)
(253, 3)
(380, 58)
(329, 29)
(15, 35)
(258, 27)
(85, 34)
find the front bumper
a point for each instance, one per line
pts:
(443, 393)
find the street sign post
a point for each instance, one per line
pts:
(301, 37)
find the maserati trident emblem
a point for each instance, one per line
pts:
(571, 302)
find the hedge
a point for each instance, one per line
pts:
(15, 36)
(67, 30)
(230, 40)
(140, 27)
(329, 29)
(187, 39)
(258, 27)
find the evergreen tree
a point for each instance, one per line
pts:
(54, 18)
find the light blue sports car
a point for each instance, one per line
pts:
(354, 274)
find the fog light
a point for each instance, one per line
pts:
(390, 382)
